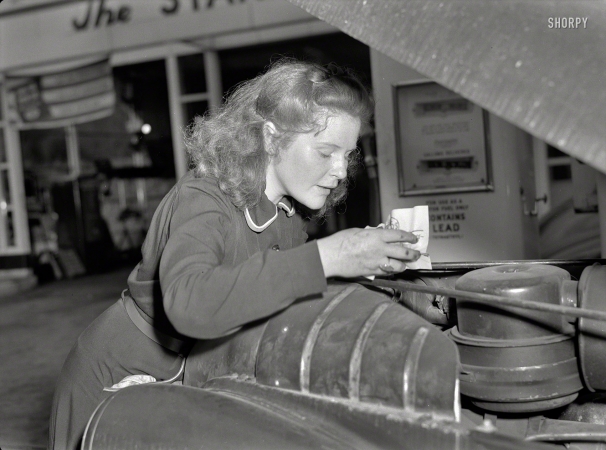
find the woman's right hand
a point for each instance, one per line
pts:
(361, 252)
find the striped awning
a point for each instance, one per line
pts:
(539, 64)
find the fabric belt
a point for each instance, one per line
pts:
(169, 342)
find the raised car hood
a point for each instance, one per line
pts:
(501, 54)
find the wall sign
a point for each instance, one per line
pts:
(69, 30)
(448, 217)
(442, 141)
(105, 13)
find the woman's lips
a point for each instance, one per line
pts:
(326, 189)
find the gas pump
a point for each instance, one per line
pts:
(473, 170)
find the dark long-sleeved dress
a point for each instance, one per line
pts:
(207, 268)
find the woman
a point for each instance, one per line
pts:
(226, 245)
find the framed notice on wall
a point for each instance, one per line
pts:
(442, 141)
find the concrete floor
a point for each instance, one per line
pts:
(38, 328)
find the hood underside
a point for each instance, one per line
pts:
(539, 64)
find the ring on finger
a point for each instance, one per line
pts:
(386, 267)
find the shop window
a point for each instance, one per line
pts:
(560, 172)
(10, 229)
(553, 152)
(6, 206)
(6, 187)
(45, 152)
(143, 96)
(194, 109)
(2, 137)
(559, 164)
(193, 88)
(122, 165)
(193, 76)
(104, 139)
(2, 147)
(132, 152)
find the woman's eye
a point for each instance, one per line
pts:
(324, 155)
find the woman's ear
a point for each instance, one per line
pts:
(270, 133)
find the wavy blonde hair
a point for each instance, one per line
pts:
(296, 97)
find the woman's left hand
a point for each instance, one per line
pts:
(363, 252)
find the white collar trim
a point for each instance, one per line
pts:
(259, 228)
(289, 211)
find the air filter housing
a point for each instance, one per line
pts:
(513, 359)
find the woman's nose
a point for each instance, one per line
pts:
(339, 168)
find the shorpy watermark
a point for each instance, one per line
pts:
(567, 22)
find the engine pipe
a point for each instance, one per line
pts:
(572, 311)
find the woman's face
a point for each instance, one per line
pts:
(313, 164)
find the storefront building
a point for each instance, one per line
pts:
(95, 97)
